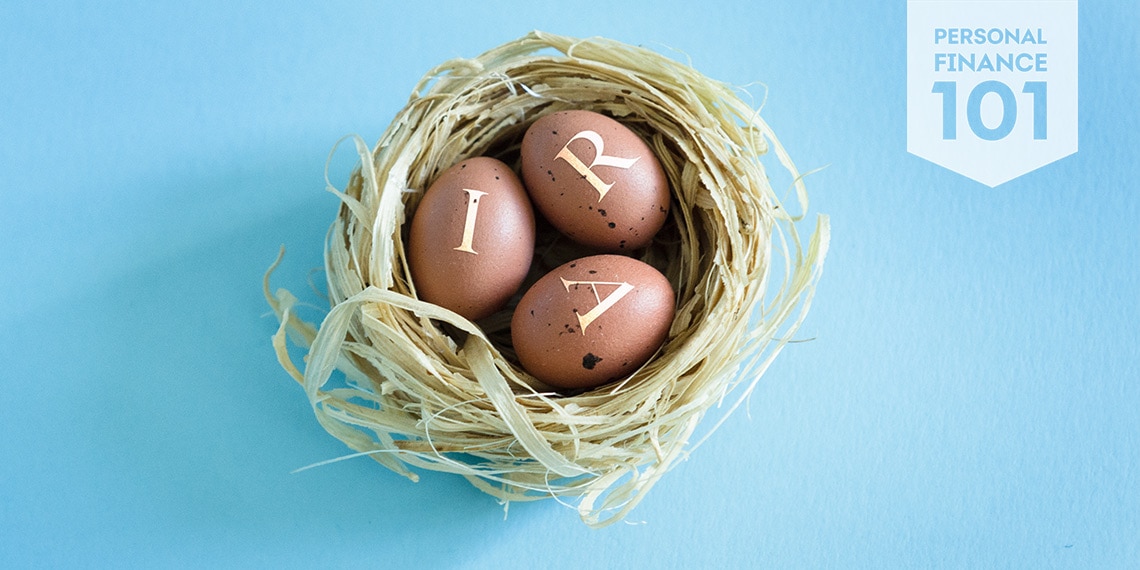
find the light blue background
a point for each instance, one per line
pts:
(970, 398)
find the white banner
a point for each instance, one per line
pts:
(992, 86)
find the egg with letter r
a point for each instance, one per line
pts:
(595, 180)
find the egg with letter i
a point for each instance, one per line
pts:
(472, 238)
(592, 321)
(595, 180)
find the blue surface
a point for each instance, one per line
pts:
(970, 398)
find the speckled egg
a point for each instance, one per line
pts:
(472, 238)
(595, 180)
(592, 321)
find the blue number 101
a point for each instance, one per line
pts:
(948, 89)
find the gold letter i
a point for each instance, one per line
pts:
(469, 226)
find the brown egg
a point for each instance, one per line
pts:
(595, 180)
(472, 238)
(592, 320)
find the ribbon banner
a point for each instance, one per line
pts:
(992, 86)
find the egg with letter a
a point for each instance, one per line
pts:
(592, 321)
(472, 238)
(595, 180)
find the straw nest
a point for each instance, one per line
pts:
(421, 387)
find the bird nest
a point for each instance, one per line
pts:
(415, 386)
